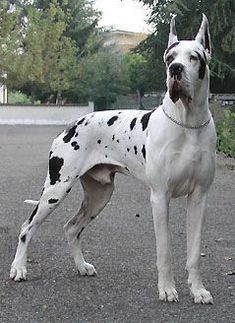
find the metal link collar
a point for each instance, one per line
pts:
(183, 125)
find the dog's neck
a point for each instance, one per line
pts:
(193, 112)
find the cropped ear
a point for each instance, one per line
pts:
(203, 35)
(172, 35)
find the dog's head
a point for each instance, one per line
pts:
(187, 62)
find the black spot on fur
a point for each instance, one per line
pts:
(128, 149)
(113, 137)
(117, 140)
(76, 134)
(145, 119)
(68, 190)
(92, 217)
(105, 146)
(86, 123)
(33, 214)
(23, 238)
(133, 122)
(70, 134)
(106, 156)
(52, 201)
(207, 41)
(67, 179)
(76, 147)
(171, 46)
(143, 151)
(78, 236)
(99, 141)
(204, 56)
(135, 149)
(202, 68)
(81, 121)
(111, 121)
(55, 164)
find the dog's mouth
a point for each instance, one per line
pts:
(177, 90)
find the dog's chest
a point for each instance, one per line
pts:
(185, 163)
(190, 167)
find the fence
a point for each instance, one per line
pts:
(42, 114)
(149, 101)
(225, 99)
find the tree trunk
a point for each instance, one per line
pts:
(140, 96)
(32, 95)
(58, 98)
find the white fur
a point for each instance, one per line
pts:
(172, 160)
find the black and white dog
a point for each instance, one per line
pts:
(171, 149)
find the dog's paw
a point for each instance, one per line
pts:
(86, 269)
(202, 296)
(168, 294)
(18, 273)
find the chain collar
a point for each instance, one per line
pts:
(183, 125)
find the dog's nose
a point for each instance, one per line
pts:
(176, 69)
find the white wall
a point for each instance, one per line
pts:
(3, 94)
(42, 115)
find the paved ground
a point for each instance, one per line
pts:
(120, 244)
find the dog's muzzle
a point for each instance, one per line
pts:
(176, 70)
(176, 82)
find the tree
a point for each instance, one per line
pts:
(82, 20)
(42, 43)
(221, 18)
(48, 61)
(101, 78)
(10, 44)
(138, 72)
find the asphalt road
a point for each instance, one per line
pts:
(120, 243)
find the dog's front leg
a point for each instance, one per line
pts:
(195, 217)
(166, 284)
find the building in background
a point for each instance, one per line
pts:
(122, 41)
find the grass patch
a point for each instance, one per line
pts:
(18, 98)
(225, 127)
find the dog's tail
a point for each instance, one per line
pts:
(31, 202)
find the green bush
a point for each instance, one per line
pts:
(18, 98)
(226, 134)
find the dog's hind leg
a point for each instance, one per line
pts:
(97, 193)
(50, 199)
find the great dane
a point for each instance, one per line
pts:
(171, 149)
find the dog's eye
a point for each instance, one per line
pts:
(169, 59)
(193, 58)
